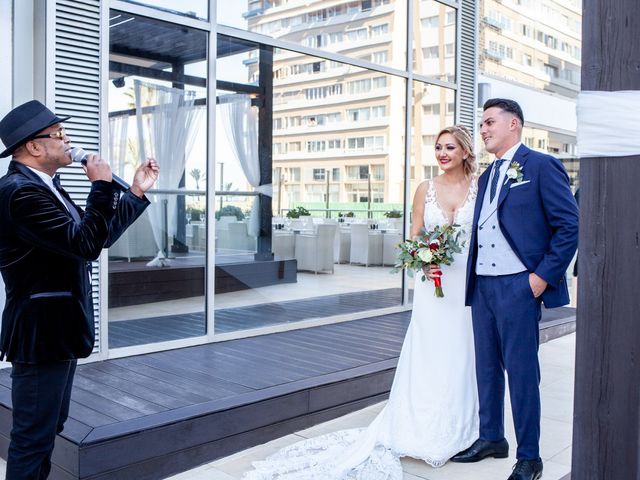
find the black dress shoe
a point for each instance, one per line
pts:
(482, 449)
(527, 470)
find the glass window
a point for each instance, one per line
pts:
(434, 41)
(159, 80)
(350, 27)
(377, 172)
(319, 173)
(378, 30)
(379, 57)
(316, 146)
(437, 112)
(379, 82)
(335, 162)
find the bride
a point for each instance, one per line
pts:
(432, 412)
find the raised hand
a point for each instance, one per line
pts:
(144, 178)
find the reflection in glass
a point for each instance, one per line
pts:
(434, 40)
(157, 109)
(372, 30)
(336, 161)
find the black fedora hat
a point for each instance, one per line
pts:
(23, 122)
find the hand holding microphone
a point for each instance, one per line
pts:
(96, 167)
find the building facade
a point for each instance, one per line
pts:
(532, 50)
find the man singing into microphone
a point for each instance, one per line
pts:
(47, 244)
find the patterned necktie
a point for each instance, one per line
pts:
(494, 180)
(63, 194)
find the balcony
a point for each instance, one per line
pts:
(492, 23)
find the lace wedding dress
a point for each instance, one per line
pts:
(432, 412)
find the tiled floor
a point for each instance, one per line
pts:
(557, 363)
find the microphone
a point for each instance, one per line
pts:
(79, 155)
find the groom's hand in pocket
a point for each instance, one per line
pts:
(538, 284)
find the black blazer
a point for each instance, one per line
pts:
(45, 260)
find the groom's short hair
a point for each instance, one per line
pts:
(507, 105)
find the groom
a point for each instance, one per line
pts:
(525, 232)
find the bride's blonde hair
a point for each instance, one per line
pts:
(463, 137)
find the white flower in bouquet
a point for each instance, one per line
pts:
(425, 255)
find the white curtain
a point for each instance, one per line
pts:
(118, 133)
(166, 118)
(240, 122)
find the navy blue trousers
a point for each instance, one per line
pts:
(40, 395)
(505, 327)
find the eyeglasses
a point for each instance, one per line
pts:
(58, 134)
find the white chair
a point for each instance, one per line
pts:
(297, 224)
(390, 247)
(307, 222)
(137, 241)
(222, 232)
(315, 251)
(366, 245)
(394, 223)
(197, 236)
(342, 245)
(226, 220)
(239, 239)
(283, 244)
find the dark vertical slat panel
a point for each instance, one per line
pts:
(607, 400)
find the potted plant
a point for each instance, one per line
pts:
(342, 216)
(230, 211)
(298, 212)
(394, 219)
(194, 214)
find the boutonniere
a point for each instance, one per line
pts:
(514, 172)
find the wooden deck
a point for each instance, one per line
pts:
(150, 416)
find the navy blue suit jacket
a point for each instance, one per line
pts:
(539, 219)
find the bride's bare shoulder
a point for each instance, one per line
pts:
(423, 186)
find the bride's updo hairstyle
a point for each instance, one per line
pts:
(463, 137)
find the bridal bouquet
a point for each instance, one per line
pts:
(434, 247)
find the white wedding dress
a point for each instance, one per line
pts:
(432, 412)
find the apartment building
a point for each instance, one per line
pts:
(338, 128)
(531, 50)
